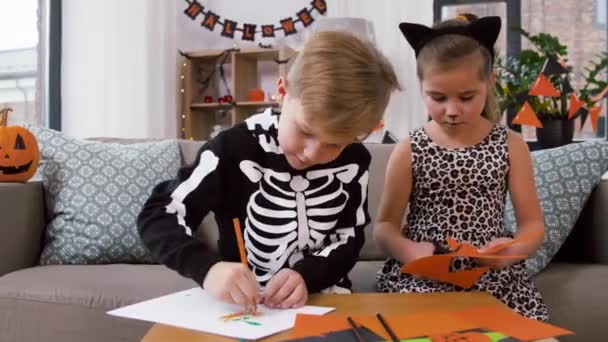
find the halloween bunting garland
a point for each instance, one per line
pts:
(249, 31)
(543, 87)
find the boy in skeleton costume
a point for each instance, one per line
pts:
(296, 179)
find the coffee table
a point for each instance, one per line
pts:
(351, 304)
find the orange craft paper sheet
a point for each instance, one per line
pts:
(315, 325)
(411, 325)
(417, 324)
(512, 324)
(437, 267)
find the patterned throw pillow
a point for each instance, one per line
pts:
(565, 177)
(94, 192)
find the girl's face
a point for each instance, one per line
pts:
(455, 97)
(304, 143)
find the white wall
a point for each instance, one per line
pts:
(119, 57)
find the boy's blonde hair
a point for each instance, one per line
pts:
(452, 50)
(343, 83)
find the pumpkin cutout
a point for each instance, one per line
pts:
(468, 336)
(19, 153)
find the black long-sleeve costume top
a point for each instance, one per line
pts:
(308, 220)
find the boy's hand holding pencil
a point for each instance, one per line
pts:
(234, 282)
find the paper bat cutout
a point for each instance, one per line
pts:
(437, 267)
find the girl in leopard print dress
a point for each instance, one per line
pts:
(455, 171)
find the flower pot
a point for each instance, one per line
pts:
(555, 133)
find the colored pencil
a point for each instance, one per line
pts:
(239, 240)
(356, 331)
(387, 327)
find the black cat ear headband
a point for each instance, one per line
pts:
(484, 30)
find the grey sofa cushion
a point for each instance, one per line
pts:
(94, 193)
(72, 300)
(565, 177)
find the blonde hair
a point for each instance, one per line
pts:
(343, 83)
(451, 50)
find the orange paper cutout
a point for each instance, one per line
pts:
(431, 323)
(315, 325)
(594, 114)
(437, 267)
(600, 96)
(526, 116)
(418, 324)
(512, 324)
(575, 105)
(542, 86)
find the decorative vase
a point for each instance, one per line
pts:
(555, 133)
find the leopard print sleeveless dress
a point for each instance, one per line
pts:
(460, 193)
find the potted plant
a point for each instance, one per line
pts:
(537, 83)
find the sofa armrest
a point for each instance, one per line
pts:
(589, 237)
(22, 223)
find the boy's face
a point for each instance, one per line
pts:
(305, 143)
(455, 97)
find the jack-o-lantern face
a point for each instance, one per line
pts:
(19, 154)
(468, 336)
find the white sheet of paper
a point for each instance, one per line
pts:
(197, 310)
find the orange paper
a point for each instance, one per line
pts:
(594, 114)
(542, 86)
(437, 267)
(411, 325)
(510, 323)
(316, 325)
(526, 116)
(575, 105)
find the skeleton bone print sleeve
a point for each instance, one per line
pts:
(308, 220)
(169, 217)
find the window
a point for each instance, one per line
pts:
(600, 13)
(30, 50)
(19, 59)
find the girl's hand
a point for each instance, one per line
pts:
(496, 247)
(415, 250)
(493, 245)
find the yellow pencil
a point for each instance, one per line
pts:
(239, 240)
(242, 252)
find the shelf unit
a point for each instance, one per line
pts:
(243, 68)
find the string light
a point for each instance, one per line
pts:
(182, 90)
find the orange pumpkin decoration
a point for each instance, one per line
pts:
(19, 154)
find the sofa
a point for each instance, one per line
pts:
(69, 302)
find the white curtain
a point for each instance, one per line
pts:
(406, 110)
(119, 67)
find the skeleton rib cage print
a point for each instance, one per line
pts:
(292, 215)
